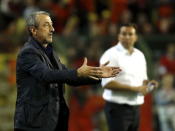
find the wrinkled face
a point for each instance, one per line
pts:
(127, 36)
(44, 31)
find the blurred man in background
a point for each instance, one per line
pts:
(125, 93)
(40, 104)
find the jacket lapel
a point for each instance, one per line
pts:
(40, 51)
(57, 60)
(44, 56)
(46, 59)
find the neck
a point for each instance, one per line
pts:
(43, 43)
(129, 48)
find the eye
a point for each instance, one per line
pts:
(130, 34)
(46, 24)
(124, 33)
(127, 34)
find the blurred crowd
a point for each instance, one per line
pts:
(87, 28)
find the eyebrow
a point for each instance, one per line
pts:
(48, 22)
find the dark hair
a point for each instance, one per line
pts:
(128, 25)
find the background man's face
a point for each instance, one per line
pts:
(43, 33)
(127, 36)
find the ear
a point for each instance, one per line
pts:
(136, 37)
(32, 29)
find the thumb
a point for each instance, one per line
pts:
(105, 64)
(85, 61)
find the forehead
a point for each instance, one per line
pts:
(128, 29)
(42, 18)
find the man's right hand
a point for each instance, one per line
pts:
(97, 72)
(144, 89)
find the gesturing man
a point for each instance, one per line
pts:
(40, 104)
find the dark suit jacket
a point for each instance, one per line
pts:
(38, 83)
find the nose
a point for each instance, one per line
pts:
(128, 36)
(52, 28)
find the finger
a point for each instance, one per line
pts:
(118, 68)
(113, 68)
(116, 71)
(114, 74)
(154, 82)
(105, 64)
(145, 82)
(85, 61)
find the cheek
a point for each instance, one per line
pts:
(134, 39)
(42, 32)
(41, 35)
(121, 38)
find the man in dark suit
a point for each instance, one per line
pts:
(40, 104)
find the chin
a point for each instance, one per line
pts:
(49, 40)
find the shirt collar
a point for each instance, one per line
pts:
(121, 48)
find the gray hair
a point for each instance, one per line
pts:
(31, 19)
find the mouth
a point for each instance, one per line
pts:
(127, 41)
(50, 35)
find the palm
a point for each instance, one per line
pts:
(98, 72)
(109, 71)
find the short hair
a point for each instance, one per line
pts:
(31, 19)
(129, 25)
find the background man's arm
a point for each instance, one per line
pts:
(114, 85)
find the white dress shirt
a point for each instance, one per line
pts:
(133, 73)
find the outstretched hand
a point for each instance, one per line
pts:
(97, 72)
(109, 71)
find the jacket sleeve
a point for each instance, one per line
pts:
(30, 62)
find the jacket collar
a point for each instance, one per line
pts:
(37, 45)
(34, 42)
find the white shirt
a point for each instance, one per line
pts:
(133, 73)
